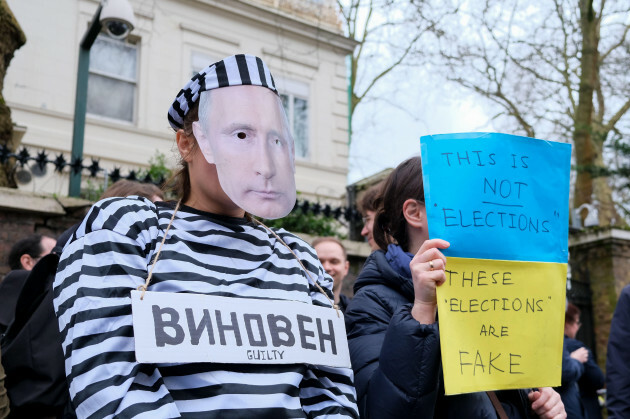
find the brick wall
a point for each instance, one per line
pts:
(24, 213)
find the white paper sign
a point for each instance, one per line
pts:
(179, 327)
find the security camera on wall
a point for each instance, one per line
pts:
(117, 18)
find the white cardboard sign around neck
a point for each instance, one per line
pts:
(183, 328)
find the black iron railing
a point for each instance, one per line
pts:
(60, 162)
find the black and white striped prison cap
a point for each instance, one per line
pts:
(236, 70)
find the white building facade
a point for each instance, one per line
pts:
(132, 83)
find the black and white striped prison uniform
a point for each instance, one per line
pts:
(203, 253)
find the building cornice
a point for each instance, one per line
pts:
(94, 120)
(597, 235)
(279, 19)
(210, 34)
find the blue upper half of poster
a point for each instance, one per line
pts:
(498, 196)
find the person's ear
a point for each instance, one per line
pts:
(185, 145)
(414, 213)
(203, 141)
(27, 261)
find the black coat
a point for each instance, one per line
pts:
(590, 381)
(396, 360)
(10, 289)
(31, 350)
(572, 371)
(343, 302)
(618, 360)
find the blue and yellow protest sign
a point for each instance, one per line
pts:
(502, 201)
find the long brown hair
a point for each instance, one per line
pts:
(405, 182)
(179, 183)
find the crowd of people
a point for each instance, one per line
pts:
(236, 167)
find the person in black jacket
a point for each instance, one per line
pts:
(618, 360)
(581, 376)
(391, 322)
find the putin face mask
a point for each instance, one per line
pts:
(244, 132)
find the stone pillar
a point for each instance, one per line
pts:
(601, 259)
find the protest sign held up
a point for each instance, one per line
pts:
(502, 203)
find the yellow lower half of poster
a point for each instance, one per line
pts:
(501, 324)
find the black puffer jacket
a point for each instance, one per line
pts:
(396, 360)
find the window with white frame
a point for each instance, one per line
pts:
(294, 97)
(113, 79)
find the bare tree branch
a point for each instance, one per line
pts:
(618, 44)
(617, 116)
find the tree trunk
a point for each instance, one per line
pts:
(588, 141)
(11, 39)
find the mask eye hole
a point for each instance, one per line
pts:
(277, 141)
(241, 135)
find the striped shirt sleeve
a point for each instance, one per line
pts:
(107, 259)
(325, 391)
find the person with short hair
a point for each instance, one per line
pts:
(23, 256)
(236, 160)
(24, 259)
(25, 253)
(333, 256)
(593, 377)
(581, 376)
(367, 208)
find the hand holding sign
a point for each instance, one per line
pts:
(427, 272)
(546, 403)
(502, 202)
